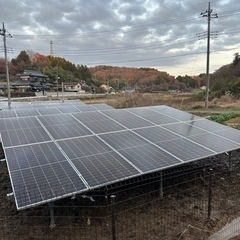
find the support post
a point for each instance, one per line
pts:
(113, 201)
(210, 194)
(52, 219)
(161, 185)
(230, 162)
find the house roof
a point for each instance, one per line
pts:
(37, 83)
(32, 73)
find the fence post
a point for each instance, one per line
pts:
(230, 162)
(210, 194)
(52, 220)
(113, 200)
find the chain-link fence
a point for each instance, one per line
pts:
(192, 201)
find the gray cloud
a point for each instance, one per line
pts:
(151, 33)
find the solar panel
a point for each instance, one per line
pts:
(104, 126)
(117, 113)
(127, 119)
(57, 119)
(56, 155)
(184, 129)
(134, 122)
(96, 161)
(19, 131)
(185, 150)
(215, 142)
(101, 106)
(40, 173)
(149, 158)
(63, 126)
(152, 116)
(80, 147)
(232, 134)
(104, 168)
(208, 125)
(156, 134)
(48, 110)
(90, 116)
(85, 108)
(7, 114)
(68, 109)
(124, 139)
(25, 112)
(175, 113)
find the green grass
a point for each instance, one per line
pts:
(222, 118)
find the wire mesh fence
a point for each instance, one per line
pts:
(188, 202)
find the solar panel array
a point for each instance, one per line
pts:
(57, 155)
(23, 109)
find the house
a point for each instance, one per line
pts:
(106, 87)
(31, 81)
(72, 86)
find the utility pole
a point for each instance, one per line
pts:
(3, 33)
(208, 13)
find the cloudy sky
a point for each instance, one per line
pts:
(169, 35)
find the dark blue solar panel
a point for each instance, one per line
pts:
(85, 108)
(94, 148)
(101, 106)
(215, 142)
(149, 158)
(124, 139)
(20, 131)
(86, 117)
(80, 147)
(104, 168)
(40, 173)
(184, 129)
(156, 134)
(7, 113)
(68, 109)
(174, 113)
(48, 110)
(24, 112)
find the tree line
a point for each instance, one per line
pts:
(225, 79)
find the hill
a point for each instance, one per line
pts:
(227, 79)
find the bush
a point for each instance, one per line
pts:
(221, 118)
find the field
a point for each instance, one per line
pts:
(179, 211)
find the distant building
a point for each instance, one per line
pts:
(106, 87)
(31, 80)
(72, 87)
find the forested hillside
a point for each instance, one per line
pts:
(120, 78)
(227, 79)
